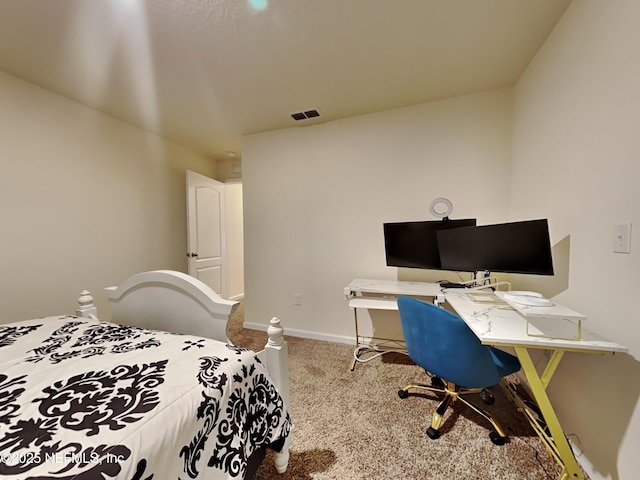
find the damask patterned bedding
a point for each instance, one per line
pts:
(87, 400)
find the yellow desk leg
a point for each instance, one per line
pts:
(538, 385)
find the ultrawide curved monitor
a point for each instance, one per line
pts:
(517, 247)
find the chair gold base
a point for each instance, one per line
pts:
(453, 393)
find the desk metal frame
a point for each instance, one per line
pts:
(500, 326)
(381, 295)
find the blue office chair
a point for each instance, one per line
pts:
(441, 342)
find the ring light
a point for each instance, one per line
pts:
(448, 207)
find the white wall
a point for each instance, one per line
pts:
(85, 201)
(315, 199)
(576, 159)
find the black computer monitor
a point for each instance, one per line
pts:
(414, 244)
(517, 247)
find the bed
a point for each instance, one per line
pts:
(158, 392)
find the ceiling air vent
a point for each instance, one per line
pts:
(307, 114)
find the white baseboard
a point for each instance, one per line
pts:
(304, 334)
(586, 465)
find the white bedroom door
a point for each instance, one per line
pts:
(206, 231)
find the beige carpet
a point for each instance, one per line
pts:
(352, 425)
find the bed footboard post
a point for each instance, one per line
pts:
(277, 359)
(86, 308)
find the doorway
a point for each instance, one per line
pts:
(215, 234)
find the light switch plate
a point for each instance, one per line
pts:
(622, 238)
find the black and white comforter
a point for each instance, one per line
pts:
(90, 400)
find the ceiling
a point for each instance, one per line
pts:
(205, 72)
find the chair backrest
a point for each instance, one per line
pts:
(441, 342)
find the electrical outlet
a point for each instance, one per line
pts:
(622, 238)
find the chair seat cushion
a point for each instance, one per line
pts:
(505, 362)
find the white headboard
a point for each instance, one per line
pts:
(171, 301)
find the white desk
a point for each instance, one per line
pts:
(381, 295)
(499, 325)
(392, 287)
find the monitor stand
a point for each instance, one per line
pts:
(447, 284)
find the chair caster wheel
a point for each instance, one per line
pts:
(432, 433)
(437, 382)
(497, 439)
(487, 397)
(403, 394)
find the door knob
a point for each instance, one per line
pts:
(191, 254)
